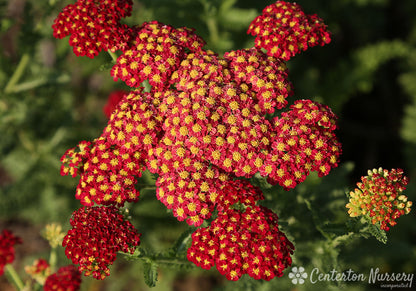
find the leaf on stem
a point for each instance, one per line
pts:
(150, 273)
(378, 233)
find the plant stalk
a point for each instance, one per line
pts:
(113, 56)
(24, 61)
(53, 259)
(14, 277)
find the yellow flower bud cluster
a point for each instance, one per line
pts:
(379, 197)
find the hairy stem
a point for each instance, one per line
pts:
(160, 258)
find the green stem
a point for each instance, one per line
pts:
(316, 220)
(158, 258)
(342, 239)
(15, 277)
(213, 30)
(113, 56)
(38, 82)
(26, 142)
(210, 17)
(17, 73)
(146, 187)
(169, 261)
(53, 259)
(161, 259)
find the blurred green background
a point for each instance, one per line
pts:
(50, 99)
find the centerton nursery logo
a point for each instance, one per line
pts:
(298, 275)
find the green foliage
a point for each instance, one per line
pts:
(379, 234)
(150, 273)
(408, 83)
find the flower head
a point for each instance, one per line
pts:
(94, 26)
(219, 106)
(108, 173)
(110, 165)
(284, 30)
(39, 270)
(157, 51)
(262, 77)
(304, 141)
(379, 197)
(7, 242)
(97, 234)
(67, 278)
(193, 194)
(53, 234)
(242, 242)
(135, 125)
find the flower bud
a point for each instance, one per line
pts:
(379, 197)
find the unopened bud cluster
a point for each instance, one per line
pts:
(379, 197)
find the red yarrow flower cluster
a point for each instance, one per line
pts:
(204, 120)
(242, 242)
(157, 51)
(284, 30)
(110, 165)
(205, 126)
(135, 125)
(94, 26)
(379, 197)
(218, 110)
(67, 278)
(263, 78)
(97, 234)
(194, 195)
(108, 173)
(7, 242)
(305, 141)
